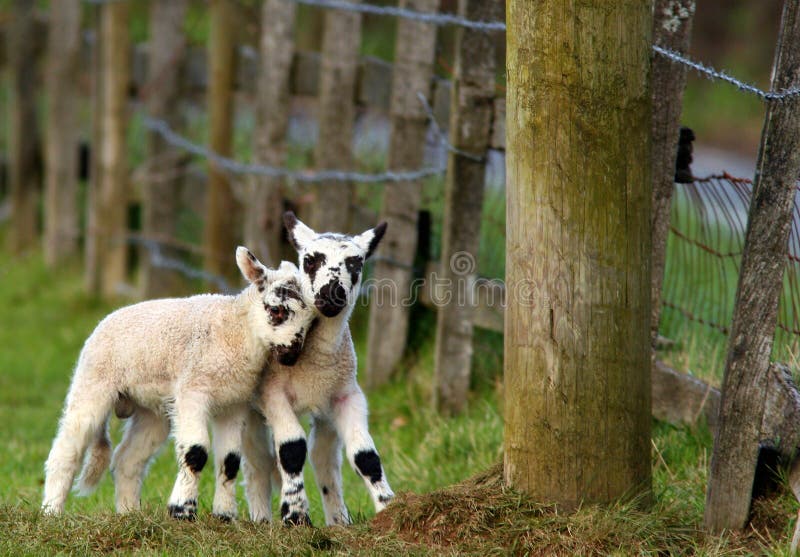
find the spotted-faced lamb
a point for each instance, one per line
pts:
(193, 359)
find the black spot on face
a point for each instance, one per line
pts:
(312, 262)
(231, 465)
(288, 355)
(292, 456)
(290, 291)
(195, 458)
(354, 263)
(332, 299)
(369, 464)
(277, 314)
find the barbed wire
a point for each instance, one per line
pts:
(441, 136)
(405, 13)
(713, 74)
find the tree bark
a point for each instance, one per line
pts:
(219, 238)
(672, 28)
(736, 443)
(471, 110)
(24, 173)
(108, 229)
(336, 109)
(263, 214)
(413, 68)
(161, 192)
(577, 350)
(91, 257)
(61, 140)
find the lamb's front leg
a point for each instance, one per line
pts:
(290, 446)
(227, 440)
(350, 419)
(190, 415)
(326, 458)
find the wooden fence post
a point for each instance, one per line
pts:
(91, 256)
(161, 191)
(264, 210)
(106, 241)
(577, 343)
(736, 443)
(672, 28)
(336, 110)
(61, 138)
(413, 68)
(471, 110)
(219, 234)
(24, 156)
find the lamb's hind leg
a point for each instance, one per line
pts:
(190, 428)
(257, 467)
(227, 441)
(87, 409)
(144, 434)
(350, 418)
(326, 458)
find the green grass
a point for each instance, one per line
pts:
(45, 320)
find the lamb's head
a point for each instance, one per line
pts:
(283, 317)
(331, 263)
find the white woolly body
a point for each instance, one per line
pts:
(193, 359)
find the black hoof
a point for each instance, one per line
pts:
(297, 519)
(224, 517)
(187, 511)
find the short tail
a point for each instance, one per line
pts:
(98, 458)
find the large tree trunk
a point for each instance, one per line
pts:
(220, 235)
(336, 109)
(24, 174)
(161, 192)
(744, 390)
(471, 112)
(61, 139)
(577, 343)
(388, 322)
(672, 28)
(108, 223)
(263, 224)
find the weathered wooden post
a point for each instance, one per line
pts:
(336, 110)
(161, 192)
(471, 111)
(24, 174)
(61, 137)
(263, 213)
(219, 234)
(388, 322)
(672, 28)
(108, 221)
(744, 391)
(577, 342)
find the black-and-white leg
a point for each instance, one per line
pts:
(258, 464)
(144, 434)
(350, 418)
(326, 458)
(227, 442)
(190, 429)
(291, 448)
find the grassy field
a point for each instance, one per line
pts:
(46, 317)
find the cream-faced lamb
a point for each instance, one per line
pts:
(322, 383)
(193, 359)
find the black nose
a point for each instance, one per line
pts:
(332, 299)
(287, 355)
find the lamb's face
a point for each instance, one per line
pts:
(331, 263)
(288, 317)
(282, 315)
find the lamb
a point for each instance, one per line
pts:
(323, 383)
(193, 359)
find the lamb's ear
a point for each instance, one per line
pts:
(252, 269)
(299, 234)
(369, 240)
